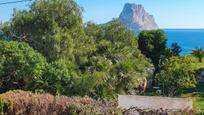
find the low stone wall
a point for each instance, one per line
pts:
(149, 102)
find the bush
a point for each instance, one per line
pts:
(176, 74)
(3, 106)
(20, 66)
(61, 78)
(27, 103)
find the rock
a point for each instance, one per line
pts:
(137, 19)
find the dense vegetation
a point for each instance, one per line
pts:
(153, 45)
(26, 103)
(176, 74)
(80, 59)
(20, 66)
(199, 53)
(49, 49)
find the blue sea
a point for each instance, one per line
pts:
(188, 39)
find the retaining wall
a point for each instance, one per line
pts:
(153, 102)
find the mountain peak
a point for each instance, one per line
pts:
(132, 5)
(136, 18)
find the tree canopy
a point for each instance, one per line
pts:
(53, 28)
(20, 66)
(176, 74)
(117, 61)
(153, 45)
(175, 49)
(61, 77)
(199, 53)
(83, 59)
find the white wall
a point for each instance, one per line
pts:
(149, 102)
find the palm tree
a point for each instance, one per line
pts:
(199, 53)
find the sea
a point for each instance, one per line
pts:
(188, 39)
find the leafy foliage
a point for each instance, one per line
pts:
(117, 62)
(20, 66)
(59, 78)
(153, 45)
(175, 49)
(52, 27)
(175, 75)
(199, 53)
(96, 60)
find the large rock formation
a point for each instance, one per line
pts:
(137, 19)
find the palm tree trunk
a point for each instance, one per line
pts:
(200, 59)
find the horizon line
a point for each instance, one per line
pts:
(182, 28)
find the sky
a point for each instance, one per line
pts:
(167, 13)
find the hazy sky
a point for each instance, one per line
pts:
(167, 13)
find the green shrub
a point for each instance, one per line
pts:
(61, 78)
(20, 66)
(176, 74)
(3, 107)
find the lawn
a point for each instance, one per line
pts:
(198, 97)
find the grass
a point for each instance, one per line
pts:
(198, 105)
(195, 63)
(199, 101)
(197, 94)
(198, 97)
